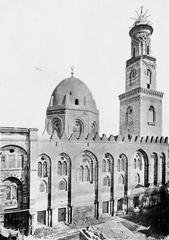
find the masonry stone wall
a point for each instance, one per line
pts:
(147, 128)
(132, 127)
(82, 194)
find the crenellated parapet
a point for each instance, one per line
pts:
(111, 139)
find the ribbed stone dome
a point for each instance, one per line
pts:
(72, 91)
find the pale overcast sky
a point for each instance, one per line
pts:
(41, 39)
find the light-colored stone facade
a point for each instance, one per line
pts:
(71, 173)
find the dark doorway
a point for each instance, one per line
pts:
(41, 217)
(105, 207)
(17, 220)
(136, 202)
(120, 204)
(61, 214)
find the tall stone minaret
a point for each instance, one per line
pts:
(141, 104)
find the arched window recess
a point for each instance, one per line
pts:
(78, 127)
(149, 78)
(151, 116)
(106, 181)
(121, 180)
(76, 101)
(132, 76)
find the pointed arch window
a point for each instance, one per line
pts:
(78, 128)
(129, 116)
(121, 179)
(155, 170)
(81, 170)
(149, 76)
(91, 175)
(151, 115)
(39, 169)
(122, 164)
(118, 165)
(64, 168)
(140, 164)
(106, 181)
(63, 185)
(57, 126)
(132, 76)
(137, 163)
(155, 164)
(86, 173)
(108, 165)
(103, 165)
(43, 187)
(163, 159)
(59, 168)
(123, 160)
(137, 178)
(45, 169)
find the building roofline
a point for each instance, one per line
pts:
(17, 130)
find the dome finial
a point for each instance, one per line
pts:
(141, 10)
(72, 71)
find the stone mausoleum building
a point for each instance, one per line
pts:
(72, 172)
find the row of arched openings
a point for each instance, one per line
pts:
(78, 127)
(121, 179)
(85, 173)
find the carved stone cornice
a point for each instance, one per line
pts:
(135, 59)
(141, 90)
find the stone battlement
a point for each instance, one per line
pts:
(111, 138)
